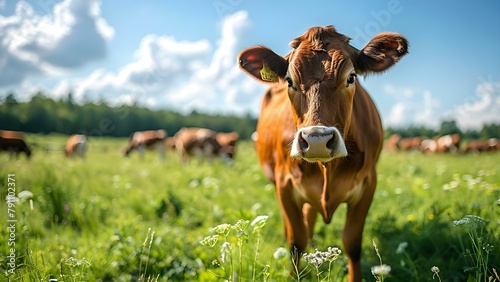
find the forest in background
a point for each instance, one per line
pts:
(43, 115)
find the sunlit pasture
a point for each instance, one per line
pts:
(107, 218)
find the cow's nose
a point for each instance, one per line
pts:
(318, 143)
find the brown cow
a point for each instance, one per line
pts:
(392, 142)
(76, 146)
(198, 142)
(396, 143)
(319, 132)
(150, 139)
(477, 146)
(228, 143)
(13, 142)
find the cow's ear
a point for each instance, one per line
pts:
(263, 64)
(382, 52)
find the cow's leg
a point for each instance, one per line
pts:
(295, 228)
(353, 231)
(128, 150)
(310, 215)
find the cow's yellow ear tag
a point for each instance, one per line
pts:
(267, 74)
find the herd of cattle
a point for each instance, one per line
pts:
(207, 144)
(201, 143)
(440, 144)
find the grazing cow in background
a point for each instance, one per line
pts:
(392, 142)
(13, 142)
(198, 142)
(448, 143)
(150, 139)
(76, 146)
(319, 132)
(410, 144)
(228, 143)
(428, 146)
(477, 146)
(395, 143)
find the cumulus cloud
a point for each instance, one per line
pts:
(33, 43)
(412, 107)
(180, 75)
(481, 108)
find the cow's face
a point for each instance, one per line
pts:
(320, 73)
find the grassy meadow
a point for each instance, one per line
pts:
(107, 218)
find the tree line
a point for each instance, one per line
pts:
(44, 115)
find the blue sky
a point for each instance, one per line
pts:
(181, 55)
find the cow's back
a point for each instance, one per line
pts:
(366, 127)
(275, 129)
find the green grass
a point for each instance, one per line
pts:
(106, 218)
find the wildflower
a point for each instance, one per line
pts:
(382, 270)
(435, 270)
(431, 216)
(259, 221)
(25, 195)
(225, 251)
(410, 217)
(314, 258)
(488, 248)
(210, 241)
(223, 229)
(472, 220)
(242, 238)
(241, 225)
(401, 247)
(280, 253)
(318, 258)
(332, 254)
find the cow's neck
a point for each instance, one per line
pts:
(339, 176)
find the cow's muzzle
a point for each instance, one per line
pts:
(318, 144)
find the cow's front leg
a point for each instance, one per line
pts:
(353, 231)
(296, 231)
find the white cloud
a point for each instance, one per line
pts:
(482, 108)
(411, 107)
(180, 75)
(33, 43)
(427, 113)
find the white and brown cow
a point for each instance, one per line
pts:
(150, 139)
(319, 132)
(76, 146)
(198, 142)
(228, 141)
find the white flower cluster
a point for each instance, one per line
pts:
(470, 220)
(382, 270)
(318, 258)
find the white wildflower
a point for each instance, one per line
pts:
(318, 258)
(401, 247)
(223, 229)
(241, 225)
(210, 241)
(382, 270)
(260, 221)
(280, 253)
(225, 252)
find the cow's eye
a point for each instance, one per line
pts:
(351, 79)
(289, 81)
